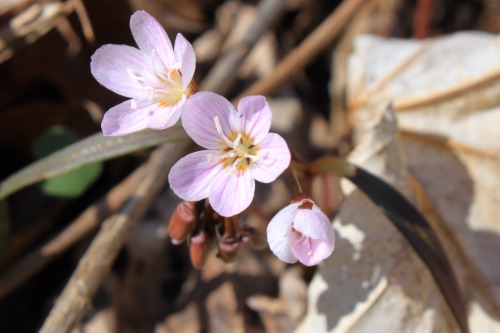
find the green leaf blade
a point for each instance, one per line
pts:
(92, 149)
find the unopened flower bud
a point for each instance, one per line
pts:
(253, 237)
(182, 222)
(301, 232)
(199, 248)
(228, 248)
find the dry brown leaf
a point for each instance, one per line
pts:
(446, 93)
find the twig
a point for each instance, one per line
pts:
(307, 50)
(96, 263)
(36, 21)
(223, 73)
(423, 18)
(90, 219)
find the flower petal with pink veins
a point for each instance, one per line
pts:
(255, 117)
(152, 38)
(315, 224)
(309, 251)
(124, 118)
(198, 116)
(277, 233)
(232, 192)
(274, 157)
(166, 117)
(114, 66)
(192, 176)
(184, 54)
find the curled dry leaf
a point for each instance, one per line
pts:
(445, 155)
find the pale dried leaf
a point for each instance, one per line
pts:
(446, 93)
(373, 271)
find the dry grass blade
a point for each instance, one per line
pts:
(307, 50)
(90, 219)
(226, 68)
(37, 20)
(96, 263)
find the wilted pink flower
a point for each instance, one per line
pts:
(301, 231)
(240, 151)
(157, 77)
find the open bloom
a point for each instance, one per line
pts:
(157, 77)
(240, 151)
(301, 231)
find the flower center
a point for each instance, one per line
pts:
(165, 89)
(240, 152)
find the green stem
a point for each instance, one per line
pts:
(294, 181)
(334, 164)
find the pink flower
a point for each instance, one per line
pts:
(157, 77)
(240, 151)
(301, 231)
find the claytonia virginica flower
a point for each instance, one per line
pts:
(301, 231)
(157, 77)
(240, 151)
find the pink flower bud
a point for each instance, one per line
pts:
(301, 231)
(199, 248)
(182, 222)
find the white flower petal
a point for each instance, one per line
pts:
(117, 67)
(152, 38)
(165, 117)
(198, 116)
(315, 224)
(232, 192)
(309, 251)
(274, 157)
(277, 233)
(192, 176)
(127, 117)
(184, 54)
(255, 117)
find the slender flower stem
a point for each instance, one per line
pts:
(236, 225)
(294, 181)
(339, 166)
(228, 227)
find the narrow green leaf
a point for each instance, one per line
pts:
(71, 184)
(89, 150)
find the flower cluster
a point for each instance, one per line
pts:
(158, 80)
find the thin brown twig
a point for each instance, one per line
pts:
(317, 41)
(96, 263)
(88, 220)
(37, 20)
(223, 73)
(423, 18)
